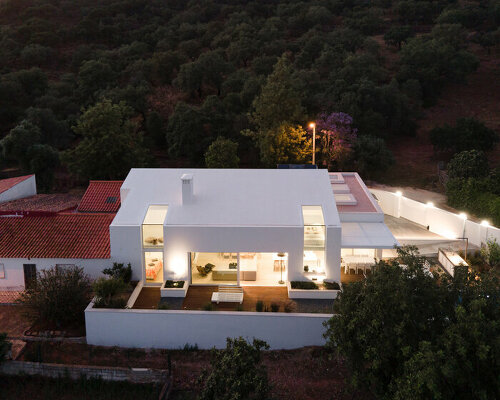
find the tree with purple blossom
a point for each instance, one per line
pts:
(336, 136)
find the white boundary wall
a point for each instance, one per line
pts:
(439, 221)
(172, 329)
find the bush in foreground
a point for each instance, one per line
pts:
(5, 346)
(236, 372)
(58, 297)
(407, 335)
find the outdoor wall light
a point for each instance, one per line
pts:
(399, 194)
(430, 204)
(485, 223)
(463, 215)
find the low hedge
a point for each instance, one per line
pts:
(331, 285)
(307, 285)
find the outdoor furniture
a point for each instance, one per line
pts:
(228, 294)
(201, 270)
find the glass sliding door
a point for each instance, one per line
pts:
(214, 268)
(314, 240)
(153, 243)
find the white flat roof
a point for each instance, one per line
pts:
(228, 197)
(371, 235)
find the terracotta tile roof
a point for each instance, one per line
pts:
(42, 203)
(101, 196)
(55, 236)
(6, 184)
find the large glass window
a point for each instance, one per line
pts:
(252, 268)
(314, 239)
(153, 266)
(214, 268)
(152, 226)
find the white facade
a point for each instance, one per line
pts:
(14, 273)
(20, 190)
(225, 211)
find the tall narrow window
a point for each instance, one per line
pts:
(152, 226)
(314, 240)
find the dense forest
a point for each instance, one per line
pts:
(94, 88)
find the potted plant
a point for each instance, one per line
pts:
(306, 268)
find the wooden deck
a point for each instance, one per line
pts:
(199, 296)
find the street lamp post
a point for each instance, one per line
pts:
(313, 126)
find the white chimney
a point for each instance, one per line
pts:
(187, 188)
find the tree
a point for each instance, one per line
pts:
(16, 144)
(155, 128)
(397, 35)
(491, 253)
(407, 335)
(336, 137)
(94, 75)
(278, 101)
(222, 153)
(467, 134)
(43, 160)
(468, 164)
(370, 156)
(276, 110)
(110, 145)
(236, 372)
(285, 144)
(58, 297)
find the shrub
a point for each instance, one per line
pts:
(190, 347)
(5, 346)
(236, 372)
(275, 307)
(208, 307)
(331, 285)
(174, 284)
(58, 297)
(163, 306)
(105, 290)
(307, 285)
(119, 271)
(289, 306)
(259, 306)
(467, 134)
(222, 153)
(468, 164)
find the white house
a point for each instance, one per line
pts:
(16, 188)
(260, 227)
(245, 226)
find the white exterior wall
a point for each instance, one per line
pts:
(14, 273)
(23, 189)
(126, 247)
(173, 329)
(181, 240)
(442, 222)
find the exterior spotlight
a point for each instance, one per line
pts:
(430, 204)
(463, 215)
(485, 223)
(312, 125)
(398, 193)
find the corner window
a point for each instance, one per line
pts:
(314, 240)
(152, 226)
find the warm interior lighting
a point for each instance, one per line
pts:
(463, 215)
(399, 194)
(312, 125)
(485, 223)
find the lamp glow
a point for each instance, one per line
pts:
(312, 125)
(430, 204)
(398, 193)
(463, 215)
(485, 223)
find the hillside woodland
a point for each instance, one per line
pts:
(89, 89)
